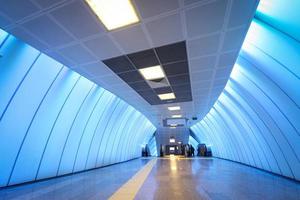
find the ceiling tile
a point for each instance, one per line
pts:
(47, 3)
(119, 64)
(163, 90)
(141, 85)
(202, 75)
(202, 63)
(220, 82)
(17, 9)
(178, 53)
(144, 59)
(132, 76)
(122, 87)
(155, 7)
(179, 80)
(210, 18)
(110, 80)
(203, 92)
(227, 59)
(97, 69)
(102, 47)
(223, 73)
(77, 53)
(131, 39)
(234, 39)
(165, 30)
(148, 93)
(65, 61)
(217, 89)
(183, 98)
(4, 21)
(182, 94)
(48, 31)
(241, 12)
(184, 87)
(77, 20)
(153, 101)
(177, 68)
(203, 46)
(201, 84)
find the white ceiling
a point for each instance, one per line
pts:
(68, 31)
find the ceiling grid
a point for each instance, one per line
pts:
(213, 30)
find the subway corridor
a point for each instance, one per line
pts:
(150, 99)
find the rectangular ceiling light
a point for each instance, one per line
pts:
(167, 96)
(176, 116)
(114, 13)
(152, 73)
(172, 140)
(174, 108)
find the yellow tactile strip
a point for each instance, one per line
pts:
(131, 187)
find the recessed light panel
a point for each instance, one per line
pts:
(152, 73)
(174, 108)
(114, 13)
(166, 96)
(176, 116)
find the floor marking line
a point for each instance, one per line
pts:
(129, 190)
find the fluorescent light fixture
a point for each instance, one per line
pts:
(167, 96)
(176, 116)
(152, 73)
(173, 125)
(174, 108)
(114, 13)
(172, 140)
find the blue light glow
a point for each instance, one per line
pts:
(54, 121)
(256, 119)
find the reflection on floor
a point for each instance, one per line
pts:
(170, 178)
(208, 178)
(95, 184)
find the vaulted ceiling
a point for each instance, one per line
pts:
(67, 30)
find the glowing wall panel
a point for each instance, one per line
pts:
(152, 146)
(54, 121)
(256, 120)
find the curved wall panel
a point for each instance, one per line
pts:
(256, 120)
(55, 122)
(152, 146)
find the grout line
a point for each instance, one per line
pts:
(131, 187)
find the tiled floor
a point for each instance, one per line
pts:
(95, 184)
(214, 179)
(169, 179)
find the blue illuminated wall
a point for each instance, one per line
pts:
(256, 119)
(152, 146)
(54, 121)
